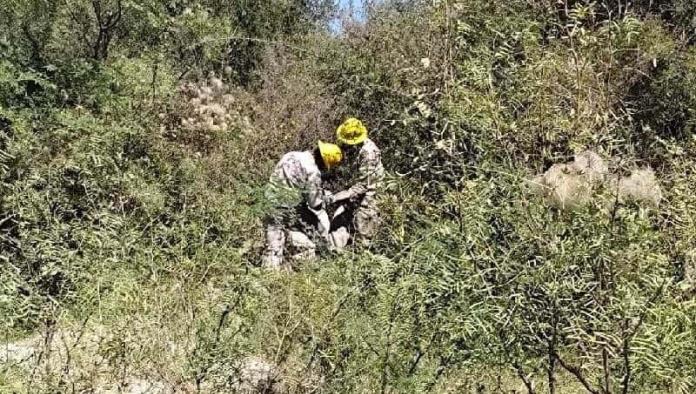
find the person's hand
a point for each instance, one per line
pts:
(339, 211)
(329, 198)
(342, 196)
(357, 191)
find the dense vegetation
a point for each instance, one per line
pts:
(136, 137)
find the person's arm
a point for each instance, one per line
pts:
(315, 203)
(370, 171)
(370, 174)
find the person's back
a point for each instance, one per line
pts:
(363, 218)
(370, 170)
(295, 169)
(295, 191)
(296, 177)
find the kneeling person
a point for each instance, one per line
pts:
(298, 199)
(359, 209)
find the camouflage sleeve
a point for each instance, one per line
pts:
(315, 202)
(370, 171)
(315, 193)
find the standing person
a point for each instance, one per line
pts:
(298, 199)
(359, 203)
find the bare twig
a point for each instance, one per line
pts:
(76, 20)
(626, 348)
(387, 351)
(441, 368)
(528, 383)
(575, 371)
(606, 369)
(249, 39)
(420, 353)
(334, 314)
(106, 22)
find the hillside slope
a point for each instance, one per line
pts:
(539, 230)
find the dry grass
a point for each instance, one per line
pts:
(139, 340)
(591, 165)
(570, 185)
(640, 186)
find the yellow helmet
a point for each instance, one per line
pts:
(331, 154)
(351, 132)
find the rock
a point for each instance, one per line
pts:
(425, 62)
(134, 386)
(640, 186)
(258, 376)
(571, 185)
(565, 186)
(16, 353)
(227, 99)
(537, 185)
(592, 165)
(217, 85)
(206, 91)
(216, 109)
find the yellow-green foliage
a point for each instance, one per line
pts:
(131, 196)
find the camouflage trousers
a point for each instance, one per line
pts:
(289, 233)
(357, 221)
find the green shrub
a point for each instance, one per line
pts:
(125, 222)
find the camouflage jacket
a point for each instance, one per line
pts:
(296, 179)
(370, 170)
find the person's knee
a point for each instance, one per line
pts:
(275, 235)
(300, 240)
(339, 239)
(366, 223)
(300, 246)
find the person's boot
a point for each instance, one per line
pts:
(272, 261)
(301, 247)
(338, 239)
(275, 245)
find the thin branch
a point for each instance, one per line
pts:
(76, 20)
(250, 39)
(607, 370)
(551, 372)
(113, 19)
(626, 379)
(443, 365)
(387, 351)
(524, 377)
(422, 352)
(334, 314)
(575, 371)
(96, 6)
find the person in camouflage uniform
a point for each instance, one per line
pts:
(359, 210)
(299, 201)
